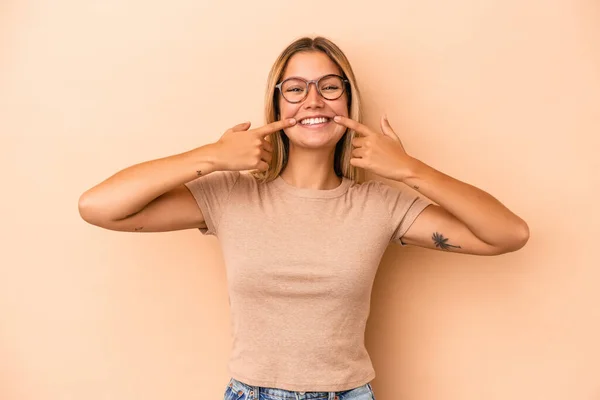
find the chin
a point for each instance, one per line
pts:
(313, 138)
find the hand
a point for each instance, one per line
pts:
(381, 153)
(241, 149)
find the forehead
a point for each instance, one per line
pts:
(310, 65)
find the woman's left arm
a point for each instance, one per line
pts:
(467, 220)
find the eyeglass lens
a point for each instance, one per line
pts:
(330, 87)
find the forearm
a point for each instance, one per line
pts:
(131, 189)
(483, 214)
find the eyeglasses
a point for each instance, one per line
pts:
(330, 87)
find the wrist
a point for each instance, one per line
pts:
(205, 159)
(412, 169)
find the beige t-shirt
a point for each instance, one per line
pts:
(300, 268)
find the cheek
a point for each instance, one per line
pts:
(340, 107)
(342, 110)
(287, 110)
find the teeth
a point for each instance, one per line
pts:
(312, 121)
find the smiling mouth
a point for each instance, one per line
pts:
(314, 122)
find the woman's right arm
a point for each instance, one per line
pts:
(150, 196)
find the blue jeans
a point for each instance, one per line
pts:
(237, 390)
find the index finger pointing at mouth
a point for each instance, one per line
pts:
(352, 124)
(275, 126)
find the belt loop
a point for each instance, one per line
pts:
(255, 393)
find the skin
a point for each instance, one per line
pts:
(311, 155)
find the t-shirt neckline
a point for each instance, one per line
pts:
(280, 183)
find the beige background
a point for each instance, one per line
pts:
(504, 95)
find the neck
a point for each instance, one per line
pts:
(311, 169)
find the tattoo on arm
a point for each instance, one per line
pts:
(199, 173)
(441, 242)
(139, 228)
(416, 187)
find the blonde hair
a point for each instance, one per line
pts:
(343, 149)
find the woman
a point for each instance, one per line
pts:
(301, 236)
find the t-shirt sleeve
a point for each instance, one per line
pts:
(212, 193)
(404, 206)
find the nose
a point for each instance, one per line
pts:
(313, 98)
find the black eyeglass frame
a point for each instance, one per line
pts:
(316, 82)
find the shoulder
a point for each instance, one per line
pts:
(393, 195)
(215, 181)
(367, 192)
(366, 186)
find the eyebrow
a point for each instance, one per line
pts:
(301, 77)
